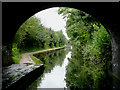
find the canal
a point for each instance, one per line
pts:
(61, 69)
(68, 69)
(55, 69)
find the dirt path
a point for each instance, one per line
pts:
(26, 56)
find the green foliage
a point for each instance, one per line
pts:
(50, 60)
(91, 56)
(36, 60)
(17, 58)
(99, 48)
(32, 35)
(16, 55)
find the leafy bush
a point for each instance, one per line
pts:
(16, 55)
(91, 55)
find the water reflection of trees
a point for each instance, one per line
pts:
(81, 74)
(50, 59)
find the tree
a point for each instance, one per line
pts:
(89, 40)
(32, 34)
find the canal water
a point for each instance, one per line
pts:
(55, 69)
(68, 69)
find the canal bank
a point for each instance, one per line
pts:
(20, 76)
(26, 57)
(54, 74)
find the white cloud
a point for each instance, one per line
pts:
(50, 19)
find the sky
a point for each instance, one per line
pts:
(51, 19)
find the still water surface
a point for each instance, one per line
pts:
(55, 69)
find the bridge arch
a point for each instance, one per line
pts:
(14, 14)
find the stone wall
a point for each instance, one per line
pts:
(115, 42)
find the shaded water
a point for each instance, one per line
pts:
(82, 73)
(55, 69)
(66, 69)
(63, 69)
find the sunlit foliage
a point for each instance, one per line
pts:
(91, 56)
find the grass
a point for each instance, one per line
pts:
(17, 55)
(37, 49)
(36, 60)
(31, 50)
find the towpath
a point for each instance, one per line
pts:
(26, 56)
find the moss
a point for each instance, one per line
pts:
(115, 77)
